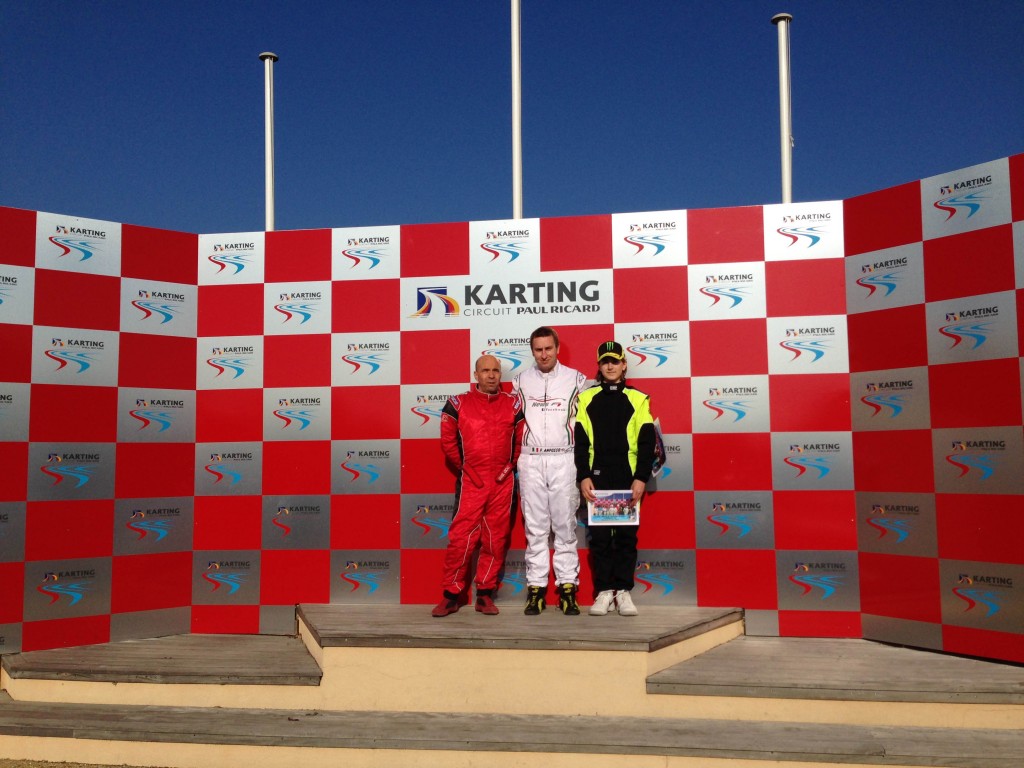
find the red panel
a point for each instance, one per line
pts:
(889, 338)
(151, 582)
(813, 287)
(900, 587)
(734, 462)
(720, 235)
(423, 468)
(302, 467)
(62, 413)
(1017, 186)
(303, 254)
(159, 254)
(365, 305)
(19, 228)
(985, 529)
(814, 402)
(436, 357)
(147, 470)
(166, 362)
(435, 249)
(65, 633)
(985, 393)
(12, 590)
(62, 530)
(230, 414)
(366, 521)
(77, 300)
(577, 345)
(819, 624)
(897, 461)
(302, 360)
(983, 642)
(668, 521)
(969, 264)
(1020, 323)
(883, 219)
(819, 520)
(295, 576)
(227, 522)
(365, 413)
(654, 294)
(578, 242)
(230, 310)
(728, 347)
(670, 403)
(14, 478)
(16, 343)
(226, 619)
(737, 579)
(421, 576)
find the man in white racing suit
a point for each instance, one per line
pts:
(547, 473)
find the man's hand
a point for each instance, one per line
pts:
(638, 488)
(587, 489)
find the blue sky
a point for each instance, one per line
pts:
(398, 111)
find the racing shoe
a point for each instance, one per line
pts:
(446, 606)
(534, 601)
(567, 600)
(625, 602)
(602, 603)
(485, 604)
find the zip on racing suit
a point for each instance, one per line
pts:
(481, 435)
(547, 473)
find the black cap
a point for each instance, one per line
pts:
(610, 349)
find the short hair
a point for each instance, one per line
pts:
(543, 332)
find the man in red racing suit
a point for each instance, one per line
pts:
(481, 435)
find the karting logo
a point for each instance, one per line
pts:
(429, 407)
(216, 467)
(513, 576)
(642, 238)
(296, 411)
(78, 352)
(980, 455)
(355, 465)
(882, 275)
(70, 466)
(731, 287)
(882, 397)
(366, 251)
(157, 522)
(278, 520)
(814, 348)
(882, 522)
(428, 298)
(218, 575)
(964, 325)
(959, 197)
(367, 357)
(70, 584)
(978, 590)
(822, 465)
(728, 517)
(506, 243)
(368, 574)
(301, 305)
(722, 405)
(807, 228)
(653, 346)
(148, 413)
(84, 243)
(649, 574)
(514, 351)
(234, 359)
(7, 282)
(828, 577)
(153, 304)
(235, 256)
(435, 517)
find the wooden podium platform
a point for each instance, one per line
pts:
(392, 686)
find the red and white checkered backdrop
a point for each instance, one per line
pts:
(198, 432)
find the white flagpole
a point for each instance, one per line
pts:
(268, 60)
(517, 116)
(782, 20)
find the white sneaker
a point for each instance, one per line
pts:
(602, 603)
(625, 603)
